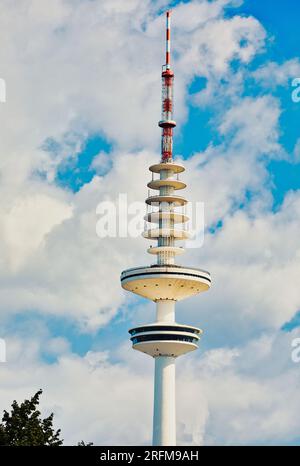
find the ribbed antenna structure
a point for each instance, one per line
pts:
(167, 123)
(169, 220)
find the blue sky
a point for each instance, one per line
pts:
(88, 124)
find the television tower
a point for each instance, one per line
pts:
(164, 282)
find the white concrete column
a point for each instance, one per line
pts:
(164, 418)
(165, 310)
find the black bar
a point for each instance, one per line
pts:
(90, 455)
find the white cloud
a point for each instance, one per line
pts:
(249, 117)
(274, 74)
(296, 153)
(26, 224)
(240, 395)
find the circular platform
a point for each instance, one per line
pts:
(165, 282)
(176, 217)
(155, 233)
(165, 339)
(173, 249)
(167, 123)
(157, 184)
(171, 199)
(175, 167)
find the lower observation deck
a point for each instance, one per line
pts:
(159, 282)
(162, 339)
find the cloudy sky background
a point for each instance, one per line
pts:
(78, 127)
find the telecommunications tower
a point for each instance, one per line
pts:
(164, 282)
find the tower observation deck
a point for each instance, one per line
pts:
(164, 282)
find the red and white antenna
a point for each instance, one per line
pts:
(167, 123)
(168, 39)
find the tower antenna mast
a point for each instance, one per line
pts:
(167, 123)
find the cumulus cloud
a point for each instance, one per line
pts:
(258, 263)
(274, 74)
(296, 153)
(248, 390)
(253, 116)
(237, 395)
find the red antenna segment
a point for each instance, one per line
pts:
(167, 123)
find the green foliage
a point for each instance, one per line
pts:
(24, 426)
